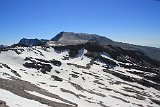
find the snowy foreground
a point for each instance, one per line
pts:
(70, 83)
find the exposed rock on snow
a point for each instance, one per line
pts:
(3, 104)
(84, 75)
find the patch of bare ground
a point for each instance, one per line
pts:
(127, 78)
(78, 87)
(136, 96)
(156, 101)
(120, 99)
(13, 71)
(70, 92)
(19, 87)
(101, 104)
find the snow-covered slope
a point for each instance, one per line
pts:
(54, 77)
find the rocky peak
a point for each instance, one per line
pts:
(77, 38)
(2, 46)
(29, 42)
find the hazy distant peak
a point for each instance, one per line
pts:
(29, 42)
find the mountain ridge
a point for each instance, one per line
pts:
(71, 38)
(62, 37)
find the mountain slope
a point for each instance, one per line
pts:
(84, 75)
(71, 38)
(29, 42)
(32, 42)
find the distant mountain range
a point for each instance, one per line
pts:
(71, 38)
(2, 46)
(32, 42)
(78, 70)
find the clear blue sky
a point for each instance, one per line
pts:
(132, 21)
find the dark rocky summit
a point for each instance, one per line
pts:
(71, 38)
(32, 42)
(29, 42)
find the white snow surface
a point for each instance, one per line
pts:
(46, 97)
(90, 96)
(13, 100)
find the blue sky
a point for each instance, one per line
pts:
(132, 21)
